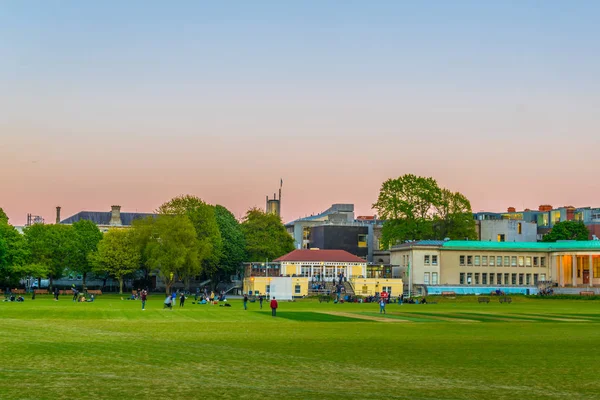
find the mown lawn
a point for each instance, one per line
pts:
(530, 349)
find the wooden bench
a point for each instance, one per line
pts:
(41, 291)
(505, 299)
(483, 300)
(95, 292)
(587, 293)
(17, 291)
(323, 298)
(448, 294)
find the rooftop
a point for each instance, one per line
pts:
(103, 217)
(320, 255)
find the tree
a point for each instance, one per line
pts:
(203, 218)
(407, 204)
(87, 237)
(266, 237)
(3, 216)
(454, 219)
(117, 255)
(415, 207)
(171, 248)
(234, 243)
(567, 230)
(51, 245)
(13, 252)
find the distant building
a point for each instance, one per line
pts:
(105, 220)
(506, 230)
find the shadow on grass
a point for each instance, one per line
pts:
(317, 317)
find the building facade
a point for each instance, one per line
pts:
(475, 263)
(105, 220)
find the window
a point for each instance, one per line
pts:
(268, 289)
(501, 237)
(528, 261)
(491, 279)
(426, 278)
(462, 278)
(513, 261)
(506, 261)
(434, 278)
(297, 289)
(596, 263)
(543, 277)
(462, 260)
(499, 261)
(536, 262)
(362, 240)
(513, 279)
(434, 260)
(543, 261)
(521, 261)
(469, 278)
(469, 260)
(520, 279)
(484, 261)
(427, 260)
(535, 279)
(506, 278)
(477, 261)
(519, 228)
(499, 279)
(477, 278)
(492, 261)
(528, 279)
(484, 279)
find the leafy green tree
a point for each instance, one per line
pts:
(87, 237)
(234, 243)
(203, 218)
(454, 218)
(13, 252)
(172, 248)
(117, 255)
(567, 230)
(266, 237)
(51, 246)
(407, 204)
(3, 216)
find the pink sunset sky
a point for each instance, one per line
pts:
(137, 109)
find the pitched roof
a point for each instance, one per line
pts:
(103, 218)
(320, 255)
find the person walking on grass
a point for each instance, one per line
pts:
(382, 306)
(181, 299)
(260, 300)
(144, 297)
(274, 307)
(245, 301)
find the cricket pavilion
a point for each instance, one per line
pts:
(302, 273)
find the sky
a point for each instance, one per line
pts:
(134, 102)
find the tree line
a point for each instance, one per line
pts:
(187, 239)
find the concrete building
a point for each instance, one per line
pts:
(105, 220)
(427, 264)
(507, 230)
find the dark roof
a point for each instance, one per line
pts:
(103, 218)
(320, 255)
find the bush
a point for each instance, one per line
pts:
(565, 297)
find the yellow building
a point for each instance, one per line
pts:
(428, 263)
(307, 269)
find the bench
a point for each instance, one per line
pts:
(587, 293)
(40, 291)
(505, 299)
(95, 292)
(323, 298)
(17, 291)
(448, 294)
(483, 300)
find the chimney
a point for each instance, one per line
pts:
(115, 218)
(545, 207)
(58, 214)
(511, 209)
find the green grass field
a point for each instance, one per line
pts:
(457, 349)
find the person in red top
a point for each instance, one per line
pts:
(273, 307)
(144, 297)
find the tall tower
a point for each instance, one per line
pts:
(274, 204)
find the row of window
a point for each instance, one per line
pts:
(476, 278)
(428, 259)
(434, 278)
(499, 261)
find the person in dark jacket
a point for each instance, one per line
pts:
(245, 302)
